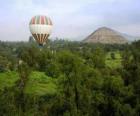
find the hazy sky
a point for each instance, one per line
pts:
(73, 19)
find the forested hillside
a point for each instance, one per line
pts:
(69, 79)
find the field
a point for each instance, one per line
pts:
(38, 84)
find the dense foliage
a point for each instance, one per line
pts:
(77, 79)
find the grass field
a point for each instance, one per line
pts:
(113, 63)
(38, 84)
(7, 79)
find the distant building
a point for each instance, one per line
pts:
(106, 35)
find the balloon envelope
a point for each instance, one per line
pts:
(40, 27)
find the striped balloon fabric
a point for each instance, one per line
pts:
(41, 20)
(40, 27)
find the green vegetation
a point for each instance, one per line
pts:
(115, 62)
(39, 83)
(69, 79)
(8, 79)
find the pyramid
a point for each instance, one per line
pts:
(106, 35)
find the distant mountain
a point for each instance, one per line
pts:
(106, 36)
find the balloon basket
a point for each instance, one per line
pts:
(40, 47)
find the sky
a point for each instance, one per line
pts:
(72, 19)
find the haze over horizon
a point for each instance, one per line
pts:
(72, 19)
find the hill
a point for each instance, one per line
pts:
(106, 36)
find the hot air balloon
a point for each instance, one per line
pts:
(40, 27)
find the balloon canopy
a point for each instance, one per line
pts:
(40, 27)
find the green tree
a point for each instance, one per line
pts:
(24, 72)
(95, 58)
(112, 54)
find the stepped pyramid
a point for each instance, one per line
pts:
(106, 36)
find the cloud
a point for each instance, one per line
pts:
(71, 18)
(132, 29)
